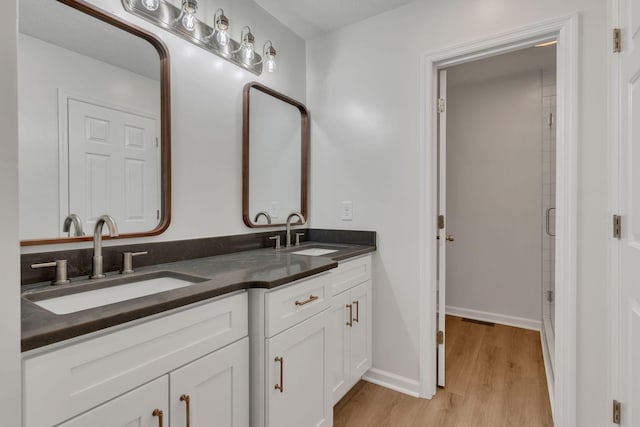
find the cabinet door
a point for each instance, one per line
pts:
(361, 348)
(133, 409)
(339, 345)
(213, 390)
(298, 393)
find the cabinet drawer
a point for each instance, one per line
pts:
(350, 273)
(72, 379)
(295, 303)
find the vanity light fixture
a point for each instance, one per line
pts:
(269, 56)
(246, 47)
(220, 29)
(182, 22)
(188, 14)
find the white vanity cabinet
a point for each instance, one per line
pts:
(141, 407)
(122, 375)
(213, 390)
(350, 325)
(289, 355)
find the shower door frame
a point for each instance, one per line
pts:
(566, 31)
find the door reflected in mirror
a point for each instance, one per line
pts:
(275, 156)
(93, 123)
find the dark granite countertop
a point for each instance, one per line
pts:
(220, 274)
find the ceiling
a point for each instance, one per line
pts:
(312, 18)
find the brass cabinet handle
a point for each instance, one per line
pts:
(187, 400)
(307, 301)
(158, 413)
(450, 237)
(281, 385)
(350, 322)
(357, 318)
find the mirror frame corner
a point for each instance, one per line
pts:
(305, 141)
(165, 126)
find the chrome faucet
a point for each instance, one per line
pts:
(262, 213)
(97, 272)
(77, 225)
(289, 218)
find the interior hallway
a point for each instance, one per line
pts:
(494, 377)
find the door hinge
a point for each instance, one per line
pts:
(617, 40)
(157, 213)
(442, 105)
(550, 296)
(440, 337)
(440, 222)
(157, 142)
(617, 226)
(617, 409)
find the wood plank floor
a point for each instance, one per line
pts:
(494, 377)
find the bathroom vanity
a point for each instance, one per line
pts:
(265, 338)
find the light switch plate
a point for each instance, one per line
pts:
(346, 211)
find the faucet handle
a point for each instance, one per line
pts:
(298, 235)
(127, 261)
(61, 270)
(277, 239)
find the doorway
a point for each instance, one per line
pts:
(565, 31)
(497, 206)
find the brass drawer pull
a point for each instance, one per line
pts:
(307, 301)
(158, 413)
(357, 318)
(350, 322)
(187, 400)
(281, 385)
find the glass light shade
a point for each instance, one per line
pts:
(151, 4)
(270, 65)
(222, 37)
(189, 21)
(247, 52)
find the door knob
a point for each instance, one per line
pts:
(450, 237)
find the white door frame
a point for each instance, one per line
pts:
(565, 30)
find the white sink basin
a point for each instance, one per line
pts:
(315, 251)
(98, 297)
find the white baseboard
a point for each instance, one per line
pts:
(393, 382)
(548, 369)
(519, 322)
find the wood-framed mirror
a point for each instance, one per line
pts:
(94, 123)
(275, 157)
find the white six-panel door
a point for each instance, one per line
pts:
(629, 303)
(113, 166)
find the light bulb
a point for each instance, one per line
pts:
(222, 37)
(270, 63)
(189, 21)
(151, 4)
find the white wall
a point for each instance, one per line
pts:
(38, 120)
(10, 391)
(363, 94)
(494, 196)
(206, 102)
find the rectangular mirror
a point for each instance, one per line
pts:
(93, 108)
(275, 156)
